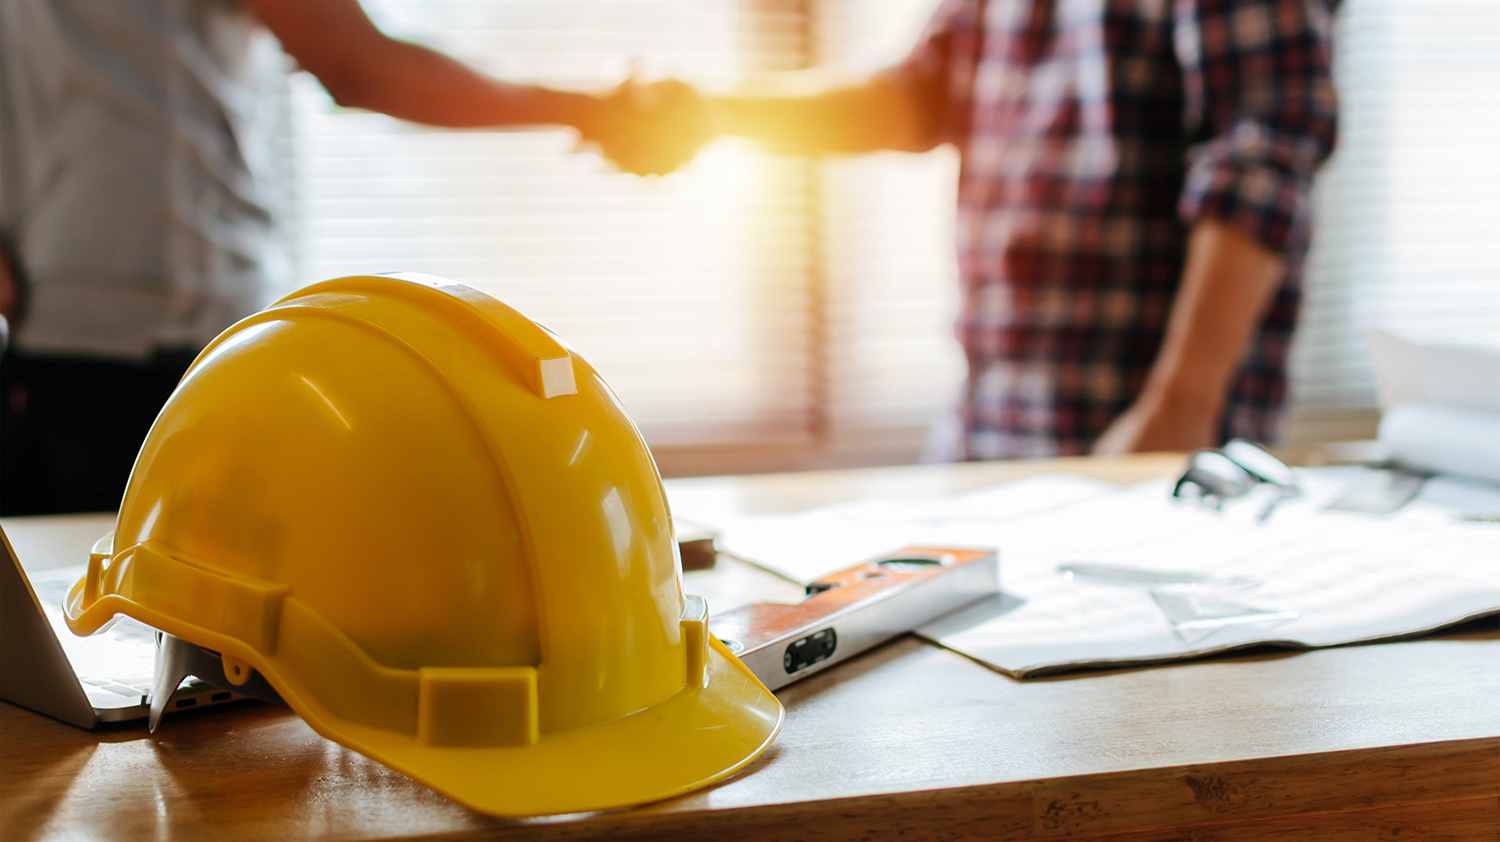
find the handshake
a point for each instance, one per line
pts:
(649, 129)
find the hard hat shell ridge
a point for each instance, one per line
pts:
(435, 531)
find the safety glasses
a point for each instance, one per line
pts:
(1215, 475)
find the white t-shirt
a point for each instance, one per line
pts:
(138, 175)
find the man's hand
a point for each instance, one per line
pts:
(656, 128)
(650, 129)
(1159, 422)
(1228, 280)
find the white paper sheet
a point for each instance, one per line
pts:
(1325, 577)
(803, 546)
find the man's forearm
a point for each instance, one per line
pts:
(363, 68)
(1228, 280)
(413, 83)
(858, 118)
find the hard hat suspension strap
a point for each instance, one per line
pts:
(259, 623)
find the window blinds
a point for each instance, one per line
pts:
(688, 293)
(1407, 224)
(752, 300)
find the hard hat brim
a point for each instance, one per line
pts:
(696, 737)
(693, 738)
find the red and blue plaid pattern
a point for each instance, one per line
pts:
(1093, 134)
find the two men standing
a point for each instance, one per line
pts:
(1133, 201)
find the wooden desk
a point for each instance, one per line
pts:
(909, 741)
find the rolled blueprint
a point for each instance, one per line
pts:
(1444, 439)
(1447, 373)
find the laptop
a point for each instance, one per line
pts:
(83, 681)
(107, 677)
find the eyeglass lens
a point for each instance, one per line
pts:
(1259, 462)
(1213, 474)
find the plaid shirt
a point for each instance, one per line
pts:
(1093, 133)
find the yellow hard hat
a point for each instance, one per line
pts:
(435, 531)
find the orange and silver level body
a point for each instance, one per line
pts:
(855, 609)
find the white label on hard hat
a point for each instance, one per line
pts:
(557, 377)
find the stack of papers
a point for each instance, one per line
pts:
(1094, 574)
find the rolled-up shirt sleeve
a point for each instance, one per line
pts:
(936, 73)
(1260, 102)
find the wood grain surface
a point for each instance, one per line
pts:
(908, 741)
